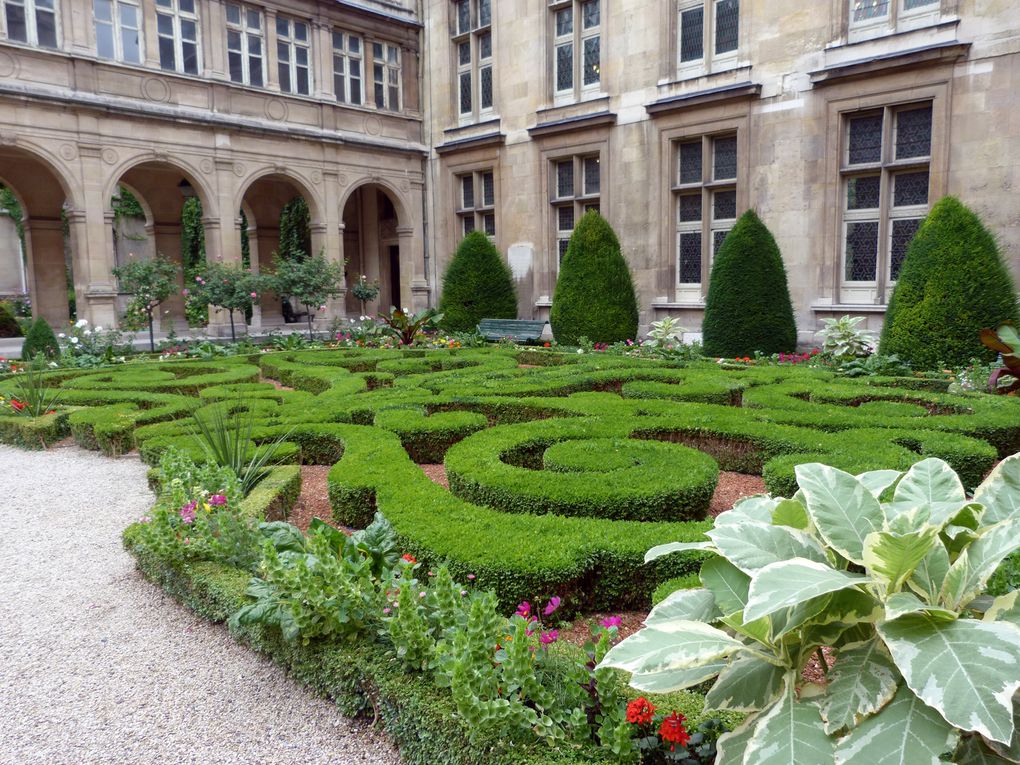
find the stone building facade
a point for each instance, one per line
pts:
(406, 124)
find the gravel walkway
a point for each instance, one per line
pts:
(99, 666)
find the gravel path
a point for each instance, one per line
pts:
(99, 666)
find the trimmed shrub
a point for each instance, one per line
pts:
(594, 295)
(748, 306)
(40, 339)
(952, 284)
(477, 285)
(9, 326)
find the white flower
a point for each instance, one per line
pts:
(81, 323)
(61, 335)
(74, 341)
(54, 365)
(87, 332)
(580, 350)
(99, 329)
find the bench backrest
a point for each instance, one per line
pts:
(527, 329)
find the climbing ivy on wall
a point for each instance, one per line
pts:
(295, 234)
(126, 205)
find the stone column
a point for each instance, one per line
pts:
(94, 255)
(322, 59)
(412, 255)
(370, 248)
(47, 270)
(272, 61)
(253, 260)
(167, 238)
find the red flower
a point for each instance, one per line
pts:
(547, 345)
(640, 711)
(673, 730)
(409, 558)
(17, 404)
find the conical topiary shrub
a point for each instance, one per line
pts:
(952, 284)
(748, 306)
(477, 285)
(9, 326)
(594, 295)
(40, 339)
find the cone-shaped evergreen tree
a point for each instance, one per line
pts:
(40, 339)
(748, 306)
(952, 284)
(477, 285)
(594, 295)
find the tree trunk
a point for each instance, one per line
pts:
(309, 318)
(152, 338)
(233, 335)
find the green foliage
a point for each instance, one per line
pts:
(952, 284)
(594, 295)
(843, 341)
(295, 231)
(31, 396)
(228, 286)
(312, 280)
(40, 340)
(406, 327)
(477, 285)
(9, 326)
(126, 205)
(748, 306)
(887, 568)
(150, 283)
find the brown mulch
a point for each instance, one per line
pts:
(578, 632)
(529, 366)
(436, 474)
(813, 672)
(731, 487)
(275, 383)
(314, 499)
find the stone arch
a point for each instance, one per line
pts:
(397, 197)
(165, 165)
(375, 223)
(283, 175)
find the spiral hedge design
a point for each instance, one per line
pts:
(561, 476)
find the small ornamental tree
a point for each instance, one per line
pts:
(151, 283)
(953, 284)
(594, 295)
(231, 287)
(477, 285)
(748, 307)
(40, 339)
(312, 280)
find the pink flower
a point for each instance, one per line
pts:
(463, 593)
(421, 594)
(551, 606)
(550, 637)
(185, 293)
(471, 577)
(217, 499)
(254, 295)
(188, 512)
(612, 621)
(387, 611)
(524, 608)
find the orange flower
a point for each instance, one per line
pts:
(640, 711)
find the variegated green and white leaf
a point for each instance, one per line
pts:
(1005, 608)
(893, 557)
(905, 732)
(683, 646)
(789, 732)
(860, 683)
(791, 513)
(746, 685)
(930, 574)
(789, 583)
(842, 508)
(1000, 491)
(966, 669)
(674, 547)
(697, 605)
(675, 679)
(752, 546)
(1010, 751)
(929, 483)
(903, 603)
(970, 572)
(731, 747)
(974, 751)
(759, 630)
(727, 583)
(789, 619)
(757, 508)
(877, 481)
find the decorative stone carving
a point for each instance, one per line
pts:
(68, 152)
(316, 177)
(110, 156)
(373, 125)
(8, 65)
(207, 166)
(156, 89)
(239, 170)
(276, 109)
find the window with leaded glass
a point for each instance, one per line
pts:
(33, 22)
(386, 76)
(476, 202)
(576, 184)
(708, 35)
(118, 30)
(885, 190)
(472, 49)
(293, 53)
(245, 47)
(348, 77)
(577, 48)
(177, 30)
(870, 18)
(705, 190)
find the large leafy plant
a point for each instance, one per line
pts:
(889, 570)
(843, 341)
(1005, 341)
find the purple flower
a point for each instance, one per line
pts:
(549, 637)
(188, 512)
(387, 611)
(612, 621)
(523, 608)
(217, 499)
(471, 577)
(551, 606)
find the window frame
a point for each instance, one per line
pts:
(887, 168)
(244, 31)
(117, 27)
(710, 61)
(707, 188)
(344, 56)
(178, 16)
(474, 217)
(472, 36)
(290, 42)
(897, 18)
(384, 72)
(577, 38)
(31, 15)
(579, 200)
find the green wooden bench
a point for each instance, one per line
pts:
(521, 330)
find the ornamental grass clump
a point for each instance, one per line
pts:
(31, 396)
(886, 568)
